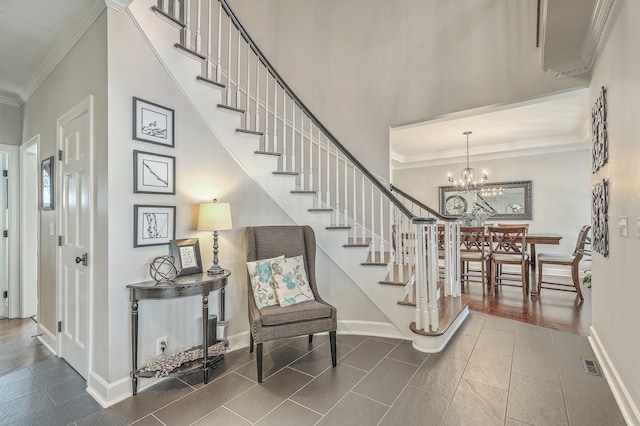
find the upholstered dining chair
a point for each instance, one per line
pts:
(508, 247)
(572, 260)
(473, 250)
(305, 318)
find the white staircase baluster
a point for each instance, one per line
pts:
(247, 114)
(219, 52)
(238, 104)
(337, 193)
(275, 119)
(319, 189)
(267, 147)
(293, 137)
(381, 228)
(373, 224)
(198, 44)
(186, 5)
(421, 267)
(363, 230)
(228, 100)
(328, 175)
(355, 207)
(346, 194)
(177, 7)
(302, 159)
(431, 309)
(209, 63)
(285, 159)
(257, 118)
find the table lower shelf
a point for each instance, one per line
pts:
(156, 371)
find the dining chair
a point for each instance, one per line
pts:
(508, 247)
(572, 260)
(473, 250)
(275, 322)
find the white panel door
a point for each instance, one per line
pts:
(4, 225)
(75, 238)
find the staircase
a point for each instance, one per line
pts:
(386, 244)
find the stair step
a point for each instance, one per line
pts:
(320, 210)
(276, 154)
(249, 132)
(164, 15)
(303, 192)
(190, 52)
(332, 228)
(393, 277)
(230, 108)
(357, 242)
(208, 81)
(405, 302)
(378, 260)
(450, 308)
(286, 173)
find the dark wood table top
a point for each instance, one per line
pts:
(536, 238)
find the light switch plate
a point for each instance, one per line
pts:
(52, 228)
(623, 226)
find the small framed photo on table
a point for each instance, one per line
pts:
(153, 123)
(153, 173)
(153, 225)
(187, 254)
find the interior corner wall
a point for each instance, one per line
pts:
(82, 72)
(561, 194)
(362, 66)
(10, 125)
(204, 170)
(616, 288)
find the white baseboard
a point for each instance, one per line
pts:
(369, 328)
(627, 406)
(105, 393)
(48, 339)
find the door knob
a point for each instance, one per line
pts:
(82, 259)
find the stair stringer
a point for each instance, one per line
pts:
(183, 70)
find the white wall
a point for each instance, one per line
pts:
(364, 65)
(10, 125)
(616, 287)
(561, 194)
(82, 72)
(204, 170)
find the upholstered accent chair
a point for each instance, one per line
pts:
(572, 260)
(305, 318)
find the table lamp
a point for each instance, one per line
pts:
(214, 216)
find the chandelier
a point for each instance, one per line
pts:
(467, 182)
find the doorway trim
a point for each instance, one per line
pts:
(25, 251)
(13, 245)
(83, 107)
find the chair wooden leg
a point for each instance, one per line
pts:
(259, 361)
(539, 277)
(525, 279)
(311, 338)
(494, 268)
(334, 353)
(576, 280)
(250, 343)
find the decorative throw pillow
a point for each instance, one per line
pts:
(264, 292)
(290, 281)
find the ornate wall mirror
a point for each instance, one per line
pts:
(501, 200)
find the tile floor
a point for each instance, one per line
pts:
(495, 372)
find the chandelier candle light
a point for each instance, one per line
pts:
(467, 182)
(214, 216)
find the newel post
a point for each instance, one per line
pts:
(452, 284)
(426, 239)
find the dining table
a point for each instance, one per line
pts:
(532, 239)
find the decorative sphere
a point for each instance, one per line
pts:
(163, 268)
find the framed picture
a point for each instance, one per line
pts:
(187, 254)
(153, 123)
(153, 225)
(153, 173)
(46, 184)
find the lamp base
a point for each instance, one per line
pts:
(215, 270)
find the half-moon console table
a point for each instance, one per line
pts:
(189, 285)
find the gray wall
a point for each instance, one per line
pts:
(561, 194)
(616, 288)
(10, 125)
(81, 73)
(364, 65)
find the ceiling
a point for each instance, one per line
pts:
(552, 123)
(33, 33)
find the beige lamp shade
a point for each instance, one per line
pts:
(214, 216)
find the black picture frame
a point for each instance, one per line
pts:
(153, 123)
(153, 225)
(47, 184)
(187, 254)
(153, 173)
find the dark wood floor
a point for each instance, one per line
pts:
(18, 349)
(558, 310)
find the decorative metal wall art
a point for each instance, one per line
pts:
(599, 138)
(600, 207)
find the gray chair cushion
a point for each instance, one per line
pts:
(509, 258)
(555, 257)
(473, 255)
(305, 311)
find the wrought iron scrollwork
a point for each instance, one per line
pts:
(600, 207)
(599, 138)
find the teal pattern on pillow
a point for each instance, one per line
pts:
(289, 278)
(264, 292)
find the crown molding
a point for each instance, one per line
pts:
(118, 5)
(584, 62)
(64, 44)
(5, 100)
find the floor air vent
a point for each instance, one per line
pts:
(591, 367)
